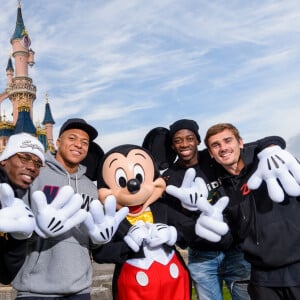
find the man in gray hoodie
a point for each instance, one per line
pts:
(60, 266)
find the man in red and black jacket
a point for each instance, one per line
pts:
(209, 263)
(263, 216)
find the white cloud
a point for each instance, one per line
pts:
(129, 66)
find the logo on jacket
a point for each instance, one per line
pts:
(213, 185)
(52, 191)
(245, 189)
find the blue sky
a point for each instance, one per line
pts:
(129, 66)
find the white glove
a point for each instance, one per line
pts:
(100, 227)
(16, 217)
(62, 214)
(161, 234)
(210, 224)
(191, 191)
(136, 235)
(276, 165)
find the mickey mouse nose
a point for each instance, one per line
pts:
(133, 186)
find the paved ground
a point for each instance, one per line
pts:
(101, 288)
(101, 284)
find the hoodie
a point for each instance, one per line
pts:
(268, 231)
(12, 251)
(61, 265)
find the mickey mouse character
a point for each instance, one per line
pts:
(148, 266)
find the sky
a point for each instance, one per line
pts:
(129, 66)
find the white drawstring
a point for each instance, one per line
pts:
(76, 181)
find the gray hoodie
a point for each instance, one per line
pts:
(58, 266)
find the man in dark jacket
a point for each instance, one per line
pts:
(209, 263)
(264, 219)
(20, 163)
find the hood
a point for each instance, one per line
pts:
(53, 164)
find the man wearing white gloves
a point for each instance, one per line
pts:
(20, 162)
(264, 209)
(58, 263)
(213, 260)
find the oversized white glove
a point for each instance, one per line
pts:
(160, 233)
(16, 217)
(276, 164)
(62, 214)
(210, 224)
(136, 235)
(101, 227)
(191, 192)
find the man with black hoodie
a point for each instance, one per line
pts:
(209, 263)
(261, 216)
(20, 163)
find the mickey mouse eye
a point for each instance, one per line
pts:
(139, 173)
(121, 178)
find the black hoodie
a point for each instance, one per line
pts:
(268, 231)
(12, 251)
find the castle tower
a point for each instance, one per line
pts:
(6, 127)
(9, 75)
(21, 91)
(9, 71)
(48, 122)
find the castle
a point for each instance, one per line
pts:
(21, 91)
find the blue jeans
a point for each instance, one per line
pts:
(209, 268)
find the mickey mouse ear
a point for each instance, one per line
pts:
(92, 161)
(158, 142)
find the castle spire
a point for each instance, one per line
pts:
(48, 122)
(20, 30)
(48, 119)
(9, 71)
(9, 65)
